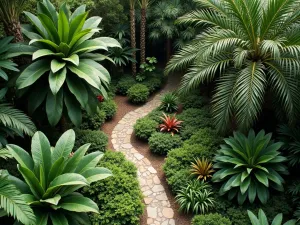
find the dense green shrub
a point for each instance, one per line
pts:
(153, 84)
(181, 159)
(138, 93)
(206, 137)
(169, 103)
(199, 118)
(93, 122)
(211, 219)
(124, 84)
(156, 115)
(193, 101)
(98, 139)
(109, 107)
(144, 128)
(162, 143)
(180, 179)
(119, 197)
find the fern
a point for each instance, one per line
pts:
(13, 203)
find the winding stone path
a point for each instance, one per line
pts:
(159, 211)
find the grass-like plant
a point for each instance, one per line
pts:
(170, 124)
(52, 175)
(196, 197)
(202, 168)
(65, 72)
(248, 166)
(169, 103)
(263, 220)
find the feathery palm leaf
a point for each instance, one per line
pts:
(250, 46)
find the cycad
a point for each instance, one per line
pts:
(249, 47)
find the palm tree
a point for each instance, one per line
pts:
(144, 4)
(164, 14)
(10, 11)
(132, 34)
(251, 48)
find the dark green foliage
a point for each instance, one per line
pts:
(119, 197)
(206, 137)
(124, 84)
(180, 179)
(153, 83)
(180, 160)
(169, 103)
(211, 219)
(93, 122)
(109, 107)
(138, 93)
(162, 143)
(156, 115)
(193, 101)
(144, 128)
(98, 139)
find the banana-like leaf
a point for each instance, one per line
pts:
(22, 157)
(89, 161)
(56, 80)
(53, 201)
(57, 65)
(64, 145)
(54, 107)
(41, 53)
(79, 204)
(96, 174)
(76, 158)
(56, 169)
(74, 59)
(78, 90)
(74, 110)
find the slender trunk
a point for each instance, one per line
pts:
(143, 35)
(133, 40)
(14, 29)
(169, 49)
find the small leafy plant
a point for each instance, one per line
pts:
(53, 175)
(170, 124)
(149, 66)
(138, 93)
(140, 77)
(202, 168)
(196, 197)
(263, 220)
(169, 103)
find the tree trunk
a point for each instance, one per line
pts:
(169, 49)
(143, 35)
(14, 29)
(133, 40)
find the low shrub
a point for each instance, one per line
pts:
(98, 139)
(211, 219)
(118, 197)
(180, 179)
(162, 143)
(156, 115)
(181, 159)
(144, 128)
(169, 103)
(193, 101)
(109, 107)
(124, 84)
(153, 84)
(93, 122)
(196, 118)
(138, 93)
(206, 137)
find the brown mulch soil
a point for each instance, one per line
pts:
(157, 161)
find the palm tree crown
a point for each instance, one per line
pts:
(251, 47)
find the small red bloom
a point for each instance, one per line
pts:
(170, 124)
(100, 98)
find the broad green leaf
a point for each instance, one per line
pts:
(89, 161)
(56, 80)
(20, 184)
(63, 26)
(76, 158)
(262, 177)
(92, 22)
(89, 46)
(37, 23)
(29, 33)
(32, 181)
(252, 192)
(262, 217)
(253, 218)
(54, 107)
(79, 11)
(52, 11)
(77, 24)
(32, 73)
(82, 218)
(22, 157)
(74, 109)
(30, 199)
(78, 89)
(109, 42)
(262, 193)
(81, 36)
(103, 74)
(79, 204)
(245, 185)
(41, 154)
(36, 98)
(41, 217)
(42, 52)
(7, 64)
(74, 59)
(277, 220)
(3, 74)
(64, 48)
(50, 27)
(45, 41)
(58, 219)
(52, 201)
(64, 145)
(56, 169)
(95, 174)
(97, 57)
(57, 65)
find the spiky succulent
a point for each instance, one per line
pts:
(170, 124)
(202, 168)
(169, 103)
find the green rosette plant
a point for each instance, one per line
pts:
(52, 175)
(249, 166)
(65, 72)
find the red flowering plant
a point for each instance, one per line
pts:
(170, 124)
(100, 98)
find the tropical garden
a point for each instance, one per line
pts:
(149, 112)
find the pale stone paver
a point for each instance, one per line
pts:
(158, 208)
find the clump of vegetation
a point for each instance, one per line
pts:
(202, 168)
(109, 107)
(211, 219)
(93, 122)
(170, 124)
(124, 84)
(153, 83)
(138, 93)
(262, 219)
(98, 139)
(162, 143)
(169, 103)
(144, 128)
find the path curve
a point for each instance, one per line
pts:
(159, 211)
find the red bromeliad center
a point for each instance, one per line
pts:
(100, 98)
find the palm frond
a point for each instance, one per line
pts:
(13, 203)
(4, 154)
